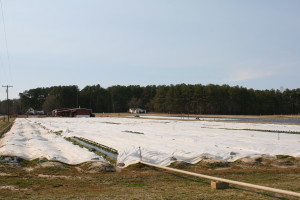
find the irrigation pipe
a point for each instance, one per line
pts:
(296, 194)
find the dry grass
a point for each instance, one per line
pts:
(139, 182)
(5, 125)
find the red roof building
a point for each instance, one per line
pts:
(75, 112)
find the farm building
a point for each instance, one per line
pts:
(75, 112)
(137, 110)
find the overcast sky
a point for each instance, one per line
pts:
(254, 44)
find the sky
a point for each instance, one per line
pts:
(253, 44)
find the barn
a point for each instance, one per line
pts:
(74, 112)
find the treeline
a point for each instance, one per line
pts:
(112, 99)
(14, 106)
(181, 98)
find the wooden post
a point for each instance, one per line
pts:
(217, 185)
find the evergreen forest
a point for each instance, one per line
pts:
(180, 98)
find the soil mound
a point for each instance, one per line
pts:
(180, 165)
(212, 163)
(50, 164)
(97, 167)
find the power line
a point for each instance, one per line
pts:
(5, 39)
(1, 61)
(1, 67)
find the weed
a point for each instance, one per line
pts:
(57, 185)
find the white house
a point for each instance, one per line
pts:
(137, 110)
(31, 111)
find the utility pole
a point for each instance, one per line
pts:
(7, 86)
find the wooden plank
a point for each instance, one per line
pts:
(280, 191)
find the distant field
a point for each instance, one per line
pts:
(283, 119)
(196, 115)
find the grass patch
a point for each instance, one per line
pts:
(134, 184)
(29, 163)
(5, 126)
(58, 132)
(21, 184)
(285, 157)
(137, 166)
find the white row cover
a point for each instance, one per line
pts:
(29, 140)
(160, 141)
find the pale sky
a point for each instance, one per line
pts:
(253, 43)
